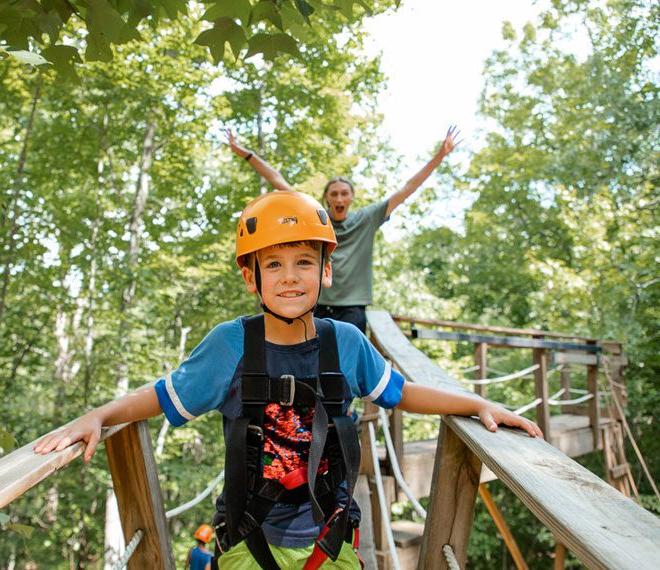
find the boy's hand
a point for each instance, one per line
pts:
(87, 429)
(492, 415)
(450, 142)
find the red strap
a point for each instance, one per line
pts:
(294, 479)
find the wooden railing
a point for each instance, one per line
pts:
(135, 482)
(601, 526)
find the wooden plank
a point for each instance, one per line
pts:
(572, 357)
(560, 556)
(383, 558)
(22, 469)
(135, 482)
(500, 523)
(493, 329)
(396, 431)
(480, 356)
(565, 377)
(363, 499)
(601, 526)
(504, 341)
(540, 357)
(451, 507)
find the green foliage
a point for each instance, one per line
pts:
(265, 27)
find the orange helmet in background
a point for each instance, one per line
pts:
(282, 217)
(204, 533)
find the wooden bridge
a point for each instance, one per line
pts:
(601, 525)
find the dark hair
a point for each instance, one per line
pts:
(338, 179)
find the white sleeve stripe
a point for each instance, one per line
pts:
(175, 398)
(382, 383)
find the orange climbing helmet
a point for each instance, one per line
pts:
(282, 217)
(204, 533)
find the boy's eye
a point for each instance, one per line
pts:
(272, 264)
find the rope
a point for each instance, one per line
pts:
(395, 465)
(619, 408)
(190, 504)
(519, 374)
(450, 557)
(470, 369)
(572, 402)
(130, 549)
(529, 406)
(381, 498)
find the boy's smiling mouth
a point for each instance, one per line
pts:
(291, 294)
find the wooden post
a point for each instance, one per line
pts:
(480, 357)
(565, 375)
(396, 431)
(560, 556)
(453, 492)
(594, 403)
(501, 525)
(541, 384)
(135, 481)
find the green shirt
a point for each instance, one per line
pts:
(353, 259)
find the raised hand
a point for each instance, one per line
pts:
(234, 146)
(492, 415)
(450, 142)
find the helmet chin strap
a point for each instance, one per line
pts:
(287, 320)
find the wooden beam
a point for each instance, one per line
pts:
(480, 360)
(493, 329)
(135, 481)
(572, 357)
(504, 341)
(451, 507)
(560, 556)
(501, 525)
(540, 357)
(565, 376)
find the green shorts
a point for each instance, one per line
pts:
(239, 558)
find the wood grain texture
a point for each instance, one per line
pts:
(601, 526)
(22, 469)
(135, 481)
(451, 507)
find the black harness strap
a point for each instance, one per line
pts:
(248, 496)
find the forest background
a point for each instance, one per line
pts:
(119, 203)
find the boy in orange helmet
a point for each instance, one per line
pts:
(283, 382)
(199, 557)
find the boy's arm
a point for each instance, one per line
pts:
(138, 405)
(264, 169)
(425, 400)
(418, 179)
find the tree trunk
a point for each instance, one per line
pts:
(12, 208)
(114, 538)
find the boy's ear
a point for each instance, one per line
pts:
(326, 279)
(248, 277)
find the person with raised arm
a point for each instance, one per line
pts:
(351, 291)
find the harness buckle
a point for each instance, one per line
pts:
(257, 431)
(290, 386)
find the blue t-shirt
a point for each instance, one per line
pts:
(210, 380)
(199, 559)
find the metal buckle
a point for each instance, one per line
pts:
(292, 389)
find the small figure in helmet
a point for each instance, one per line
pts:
(283, 382)
(199, 557)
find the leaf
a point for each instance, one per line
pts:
(4, 518)
(240, 9)
(346, 7)
(105, 27)
(24, 530)
(174, 7)
(7, 442)
(224, 31)
(266, 10)
(305, 9)
(26, 57)
(63, 59)
(270, 45)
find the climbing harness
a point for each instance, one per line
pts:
(333, 460)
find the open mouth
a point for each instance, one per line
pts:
(291, 294)
(339, 209)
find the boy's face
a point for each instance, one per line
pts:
(289, 278)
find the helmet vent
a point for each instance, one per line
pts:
(251, 224)
(323, 216)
